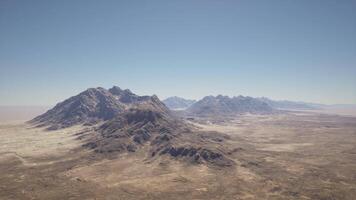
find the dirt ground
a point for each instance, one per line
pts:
(296, 155)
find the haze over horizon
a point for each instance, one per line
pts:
(283, 50)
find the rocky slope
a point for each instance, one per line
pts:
(95, 105)
(92, 105)
(178, 103)
(224, 105)
(161, 135)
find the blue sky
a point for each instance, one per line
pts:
(283, 49)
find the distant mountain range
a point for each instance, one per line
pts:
(241, 104)
(224, 105)
(285, 104)
(178, 103)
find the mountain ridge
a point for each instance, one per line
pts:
(225, 105)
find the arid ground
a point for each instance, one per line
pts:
(294, 155)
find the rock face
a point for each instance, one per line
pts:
(178, 103)
(129, 122)
(224, 105)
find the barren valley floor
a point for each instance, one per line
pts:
(298, 155)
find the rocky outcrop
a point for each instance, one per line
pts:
(197, 155)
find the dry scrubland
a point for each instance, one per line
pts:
(298, 155)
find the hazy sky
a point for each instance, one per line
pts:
(282, 49)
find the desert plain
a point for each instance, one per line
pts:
(289, 155)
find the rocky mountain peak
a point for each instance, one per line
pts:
(96, 104)
(115, 90)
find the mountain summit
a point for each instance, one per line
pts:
(94, 105)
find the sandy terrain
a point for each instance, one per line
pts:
(20, 113)
(286, 156)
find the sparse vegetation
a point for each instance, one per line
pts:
(295, 155)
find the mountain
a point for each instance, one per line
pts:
(91, 105)
(224, 105)
(120, 121)
(94, 105)
(178, 103)
(284, 104)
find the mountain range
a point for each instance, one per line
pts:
(121, 121)
(285, 104)
(224, 105)
(178, 103)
